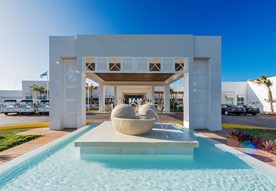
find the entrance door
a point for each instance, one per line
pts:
(133, 98)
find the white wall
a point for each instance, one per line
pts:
(207, 50)
(237, 88)
(10, 94)
(252, 93)
(121, 90)
(67, 84)
(260, 93)
(191, 47)
(188, 46)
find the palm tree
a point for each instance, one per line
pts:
(172, 98)
(264, 81)
(90, 90)
(38, 90)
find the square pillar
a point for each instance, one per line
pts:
(101, 98)
(152, 95)
(167, 98)
(115, 96)
(186, 99)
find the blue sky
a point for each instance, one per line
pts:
(248, 30)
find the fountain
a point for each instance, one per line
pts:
(141, 133)
(125, 120)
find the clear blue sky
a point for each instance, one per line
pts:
(247, 27)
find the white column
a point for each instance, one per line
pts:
(81, 102)
(167, 98)
(101, 98)
(152, 95)
(57, 97)
(186, 109)
(115, 96)
(188, 90)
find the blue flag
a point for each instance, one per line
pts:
(44, 74)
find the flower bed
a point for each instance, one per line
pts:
(253, 138)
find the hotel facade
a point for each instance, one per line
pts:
(135, 65)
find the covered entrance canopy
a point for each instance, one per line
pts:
(142, 73)
(134, 65)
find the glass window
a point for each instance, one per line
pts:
(44, 103)
(8, 103)
(240, 100)
(229, 100)
(26, 103)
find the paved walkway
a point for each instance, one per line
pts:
(13, 119)
(249, 120)
(48, 136)
(258, 120)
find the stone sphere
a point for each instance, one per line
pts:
(123, 111)
(133, 126)
(148, 110)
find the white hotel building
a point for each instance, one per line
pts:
(143, 67)
(237, 93)
(135, 65)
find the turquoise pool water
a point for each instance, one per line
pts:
(60, 168)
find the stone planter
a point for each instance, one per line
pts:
(136, 126)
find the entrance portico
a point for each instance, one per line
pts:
(151, 72)
(134, 65)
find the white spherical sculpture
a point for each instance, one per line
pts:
(148, 110)
(124, 120)
(123, 111)
(133, 126)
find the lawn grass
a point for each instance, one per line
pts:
(9, 138)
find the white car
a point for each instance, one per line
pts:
(9, 106)
(26, 106)
(43, 107)
(95, 106)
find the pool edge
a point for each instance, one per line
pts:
(17, 161)
(251, 161)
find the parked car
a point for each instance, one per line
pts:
(232, 109)
(43, 107)
(251, 110)
(9, 106)
(95, 105)
(179, 106)
(26, 106)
